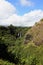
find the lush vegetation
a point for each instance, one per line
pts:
(18, 46)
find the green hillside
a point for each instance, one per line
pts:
(21, 45)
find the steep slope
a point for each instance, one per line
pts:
(36, 33)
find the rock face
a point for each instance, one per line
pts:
(36, 32)
(28, 38)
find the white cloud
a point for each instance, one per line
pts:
(27, 19)
(8, 15)
(6, 9)
(26, 3)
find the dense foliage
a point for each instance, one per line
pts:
(15, 51)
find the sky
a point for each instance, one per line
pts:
(20, 12)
